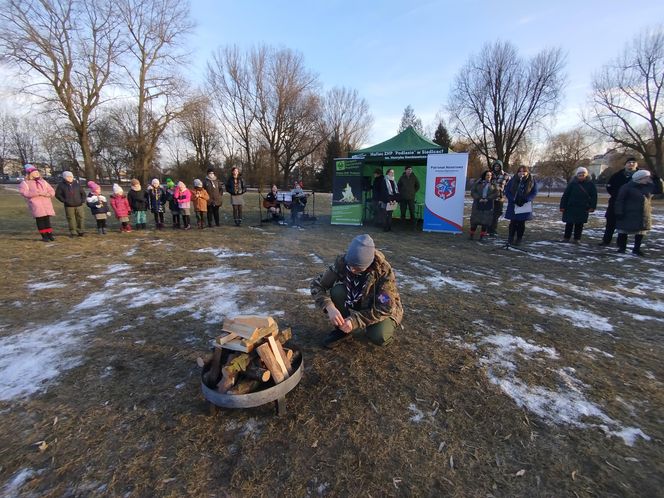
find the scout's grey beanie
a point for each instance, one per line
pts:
(361, 252)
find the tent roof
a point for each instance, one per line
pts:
(407, 144)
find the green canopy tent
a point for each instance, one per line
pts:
(353, 176)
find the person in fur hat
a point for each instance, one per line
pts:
(633, 209)
(121, 207)
(38, 193)
(200, 197)
(98, 206)
(138, 202)
(359, 291)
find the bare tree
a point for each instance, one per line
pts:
(288, 108)
(70, 46)
(347, 118)
(155, 29)
(23, 142)
(231, 82)
(565, 151)
(199, 129)
(627, 102)
(498, 98)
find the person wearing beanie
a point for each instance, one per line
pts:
(72, 194)
(613, 186)
(98, 206)
(38, 193)
(121, 207)
(633, 209)
(215, 190)
(200, 199)
(183, 197)
(138, 203)
(359, 291)
(173, 206)
(499, 178)
(578, 200)
(235, 186)
(157, 198)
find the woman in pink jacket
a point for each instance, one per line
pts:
(38, 194)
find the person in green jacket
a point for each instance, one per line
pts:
(578, 200)
(359, 291)
(408, 186)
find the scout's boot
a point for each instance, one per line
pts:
(622, 242)
(335, 338)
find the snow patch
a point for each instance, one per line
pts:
(579, 318)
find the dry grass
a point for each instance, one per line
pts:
(418, 418)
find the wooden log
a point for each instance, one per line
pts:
(244, 386)
(257, 321)
(223, 339)
(284, 335)
(238, 344)
(289, 354)
(257, 373)
(265, 353)
(279, 354)
(227, 381)
(212, 375)
(240, 329)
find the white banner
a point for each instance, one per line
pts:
(445, 190)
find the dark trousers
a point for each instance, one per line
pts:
(387, 219)
(381, 333)
(578, 230)
(610, 225)
(622, 242)
(44, 224)
(517, 228)
(497, 213)
(159, 219)
(407, 204)
(200, 218)
(213, 213)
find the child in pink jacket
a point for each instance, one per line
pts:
(120, 206)
(183, 198)
(38, 193)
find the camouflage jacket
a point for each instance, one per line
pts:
(380, 297)
(500, 180)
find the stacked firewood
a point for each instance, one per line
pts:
(248, 356)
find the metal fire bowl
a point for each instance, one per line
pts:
(250, 400)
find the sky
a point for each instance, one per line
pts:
(397, 54)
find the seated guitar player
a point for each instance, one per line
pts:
(272, 204)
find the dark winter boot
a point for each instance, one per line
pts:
(622, 242)
(637, 245)
(482, 235)
(472, 235)
(45, 237)
(511, 232)
(51, 237)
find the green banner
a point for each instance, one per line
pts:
(347, 203)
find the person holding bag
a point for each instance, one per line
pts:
(579, 199)
(388, 194)
(520, 192)
(484, 192)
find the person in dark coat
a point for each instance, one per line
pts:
(408, 186)
(484, 193)
(520, 192)
(215, 190)
(579, 199)
(388, 193)
(499, 178)
(235, 186)
(616, 181)
(138, 202)
(633, 209)
(375, 193)
(73, 196)
(157, 198)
